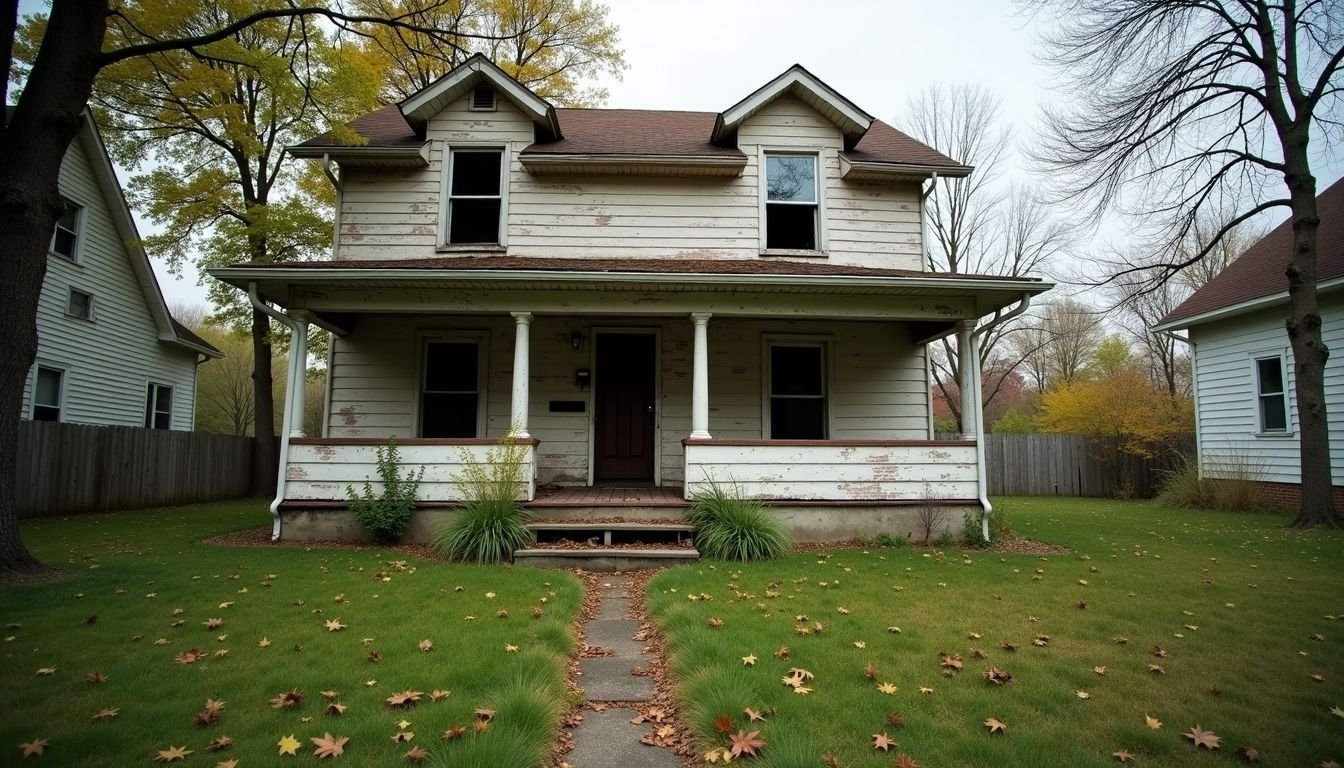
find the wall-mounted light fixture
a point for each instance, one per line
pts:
(576, 340)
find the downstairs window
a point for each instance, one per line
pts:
(797, 391)
(450, 398)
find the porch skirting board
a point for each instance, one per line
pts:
(808, 521)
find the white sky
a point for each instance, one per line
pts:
(708, 54)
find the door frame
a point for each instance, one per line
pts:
(595, 334)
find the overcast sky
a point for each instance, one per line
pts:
(708, 54)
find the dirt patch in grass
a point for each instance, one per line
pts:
(261, 537)
(663, 711)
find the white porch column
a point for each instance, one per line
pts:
(298, 372)
(700, 378)
(969, 370)
(518, 415)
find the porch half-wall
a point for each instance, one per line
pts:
(320, 469)
(836, 470)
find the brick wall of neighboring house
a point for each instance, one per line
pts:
(1289, 495)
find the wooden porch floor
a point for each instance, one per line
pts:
(604, 496)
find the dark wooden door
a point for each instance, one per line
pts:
(624, 395)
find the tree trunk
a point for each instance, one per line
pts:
(32, 147)
(264, 460)
(1309, 350)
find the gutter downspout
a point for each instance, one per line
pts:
(982, 479)
(288, 419)
(1194, 398)
(924, 244)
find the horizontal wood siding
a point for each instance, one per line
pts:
(323, 472)
(75, 468)
(836, 473)
(109, 361)
(877, 385)
(1226, 415)
(394, 213)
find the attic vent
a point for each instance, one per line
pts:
(483, 99)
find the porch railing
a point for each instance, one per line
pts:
(320, 468)
(836, 470)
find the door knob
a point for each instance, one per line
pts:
(648, 409)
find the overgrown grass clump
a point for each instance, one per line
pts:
(1242, 608)
(730, 527)
(491, 523)
(135, 578)
(1236, 491)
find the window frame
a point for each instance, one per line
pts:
(826, 343)
(445, 195)
(1259, 397)
(64, 373)
(152, 389)
(820, 156)
(482, 341)
(73, 258)
(70, 294)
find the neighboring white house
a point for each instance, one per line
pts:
(1245, 407)
(650, 299)
(108, 352)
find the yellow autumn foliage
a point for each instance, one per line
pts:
(1123, 406)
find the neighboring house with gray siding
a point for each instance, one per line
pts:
(108, 351)
(1246, 415)
(649, 299)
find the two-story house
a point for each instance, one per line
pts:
(651, 299)
(108, 351)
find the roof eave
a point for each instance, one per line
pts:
(1240, 308)
(704, 164)
(864, 170)
(415, 156)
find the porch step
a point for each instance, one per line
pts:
(650, 532)
(604, 558)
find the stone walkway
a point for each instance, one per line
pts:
(608, 739)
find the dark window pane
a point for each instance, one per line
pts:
(45, 413)
(149, 406)
(795, 371)
(165, 402)
(1273, 417)
(797, 418)
(163, 420)
(473, 221)
(791, 177)
(64, 243)
(447, 415)
(451, 366)
(48, 389)
(475, 173)
(80, 304)
(791, 226)
(1271, 375)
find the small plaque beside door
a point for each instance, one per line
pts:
(568, 406)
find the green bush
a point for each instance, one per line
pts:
(386, 515)
(891, 542)
(491, 524)
(945, 540)
(1236, 491)
(730, 527)
(999, 530)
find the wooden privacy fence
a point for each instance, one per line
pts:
(71, 468)
(1073, 465)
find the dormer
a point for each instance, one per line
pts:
(482, 80)
(852, 121)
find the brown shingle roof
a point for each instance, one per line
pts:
(186, 334)
(673, 266)
(1259, 272)
(641, 132)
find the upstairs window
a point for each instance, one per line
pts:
(791, 197)
(79, 304)
(1273, 401)
(48, 394)
(65, 240)
(450, 399)
(158, 407)
(474, 198)
(797, 391)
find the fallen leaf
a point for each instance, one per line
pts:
(882, 742)
(905, 761)
(404, 700)
(455, 732)
(34, 747)
(289, 745)
(219, 744)
(288, 699)
(106, 713)
(172, 754)
(335, 625)
(1203, 739)
(723, 723)
(329, 746)
(1249, 754)
(744, 743)
(753, 716)
(1123, 756)
(995, 726)
(888, 689)
(1152, 722)
(426, 645)
(401, 737)
(416, 755)
(748, 661)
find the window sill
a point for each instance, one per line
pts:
(79, 317)
(1273, 435)
(793, 252)
(68, 259)
(471, 248)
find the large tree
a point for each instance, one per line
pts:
(82, 39)
(1176, 107)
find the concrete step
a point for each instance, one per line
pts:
(604, 558)
(651, 532)
(634, 511)
(641, 525)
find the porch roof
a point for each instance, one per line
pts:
(764, 275)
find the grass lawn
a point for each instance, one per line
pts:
(141, 573)
(1244, 610)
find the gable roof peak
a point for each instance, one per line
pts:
(852, 121)
(422, 105)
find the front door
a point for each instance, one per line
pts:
(623, 414)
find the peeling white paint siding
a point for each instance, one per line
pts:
(318, 472)
(837, 473)
(109, 362)
(394, 214)
(1227, 417)
(877, 391)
